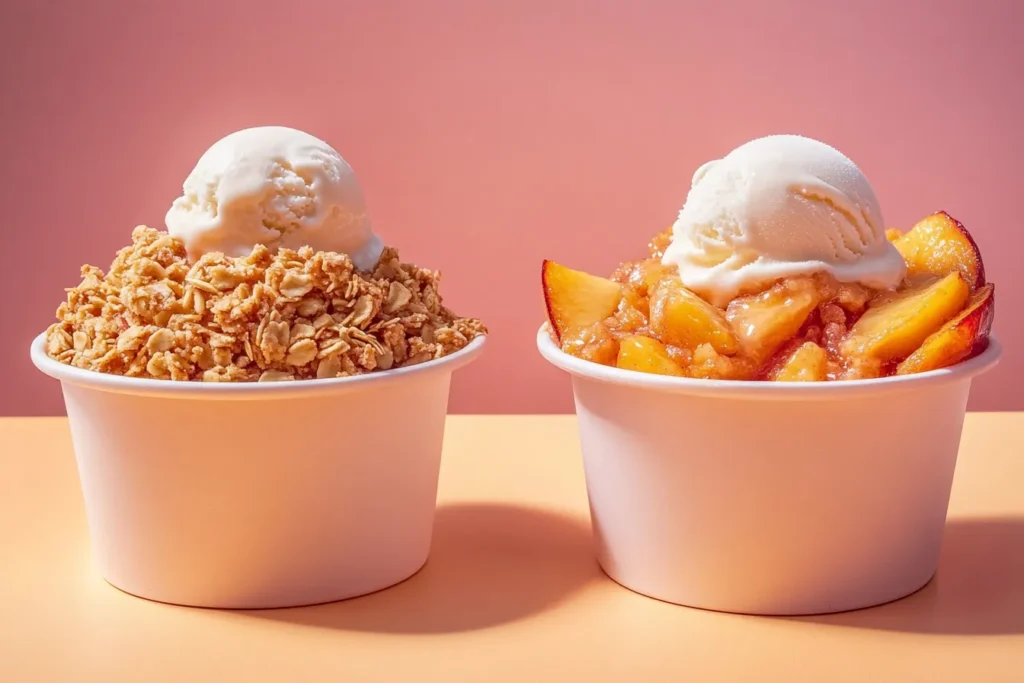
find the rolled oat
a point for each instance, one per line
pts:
(263, 317)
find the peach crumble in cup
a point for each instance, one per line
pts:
(258, 424)
(773, 429)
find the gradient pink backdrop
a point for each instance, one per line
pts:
(490, 135)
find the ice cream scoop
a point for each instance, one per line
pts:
(775, 207)
(275, 186)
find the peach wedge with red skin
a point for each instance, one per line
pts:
(896, 326)
(575, 299)
(940, 245)
(961, 337)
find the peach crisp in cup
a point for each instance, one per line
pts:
(259, 429)
(775, 433)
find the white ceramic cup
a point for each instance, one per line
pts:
(769, 498)
(258, 495)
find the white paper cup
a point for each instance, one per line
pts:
(769, 498)
(258, 495)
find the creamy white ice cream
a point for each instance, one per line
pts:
(780, 206)
(274, 186)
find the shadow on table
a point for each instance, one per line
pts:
(978, 589)
(489, 564)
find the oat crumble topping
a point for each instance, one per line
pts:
(263, 317)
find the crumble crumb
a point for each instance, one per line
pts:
(268, 316)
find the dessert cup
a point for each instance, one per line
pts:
(764, 497)
(258, 495)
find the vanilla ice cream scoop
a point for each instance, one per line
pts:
(780, 206)
(278, 187)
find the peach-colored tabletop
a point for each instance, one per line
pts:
(511, 592)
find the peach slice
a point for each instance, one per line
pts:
(644, 354)
(807, 363)
(595, 343)
(895, 325)
(893, 234)
(575, 299)
(958, 339)
(940, 245)
(764, 322)
(641, 276)
(630, 317)
(706, 363)
(681, 318)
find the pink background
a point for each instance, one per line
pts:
(490, 135)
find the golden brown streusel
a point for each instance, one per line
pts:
(263, 317)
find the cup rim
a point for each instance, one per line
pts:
(760, 390)
(163, 388)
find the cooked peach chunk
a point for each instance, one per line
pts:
(630, 317)
(593, 342)
(641, 276)
(681, 318)
(807, 363)
(895, 325)
(959, 338)
(576, 299)
(893, 234)
(706, 363)
(764, 322)
(644, 354)
(853, 297)
(940, 245)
